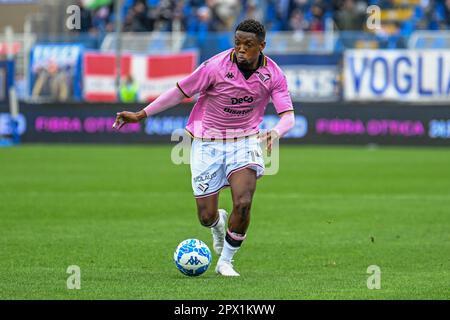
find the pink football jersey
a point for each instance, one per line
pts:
(230, 106)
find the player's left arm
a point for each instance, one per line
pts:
(283, 105)
(286, 123)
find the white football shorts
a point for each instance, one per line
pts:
(213, 162)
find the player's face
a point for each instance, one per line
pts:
(247, 47)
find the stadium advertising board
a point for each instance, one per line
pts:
(315, 124)
(380, 124)
(55, 72)
(402, 75)
(61, 123)
(153, 74)
(5, 124)
(311, 77)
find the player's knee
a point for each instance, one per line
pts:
(242, 205)
(207, 216)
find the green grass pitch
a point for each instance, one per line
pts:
(118, 212)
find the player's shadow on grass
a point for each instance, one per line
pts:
(206, 276)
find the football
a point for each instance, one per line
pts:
(192, 257)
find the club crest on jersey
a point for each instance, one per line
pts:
(263, 76)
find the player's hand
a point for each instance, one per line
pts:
(268, 137)
(125, 117)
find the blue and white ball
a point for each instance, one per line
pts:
(192, 257)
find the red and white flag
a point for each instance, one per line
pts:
(153, 74)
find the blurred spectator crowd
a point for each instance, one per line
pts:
(398, 16)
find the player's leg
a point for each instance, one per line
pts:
(212, 217)
(207, 210)
(208, 178)
(243, 186)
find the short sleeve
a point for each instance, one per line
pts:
(197, 81)
(280, 95)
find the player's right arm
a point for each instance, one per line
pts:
(165, 101)
(198, 81)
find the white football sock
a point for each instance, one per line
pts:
(227, 252)
(219, 224)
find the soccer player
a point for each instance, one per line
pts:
(235, 87)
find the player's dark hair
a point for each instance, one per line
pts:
(253, 26)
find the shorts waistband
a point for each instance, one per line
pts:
(222, 139)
